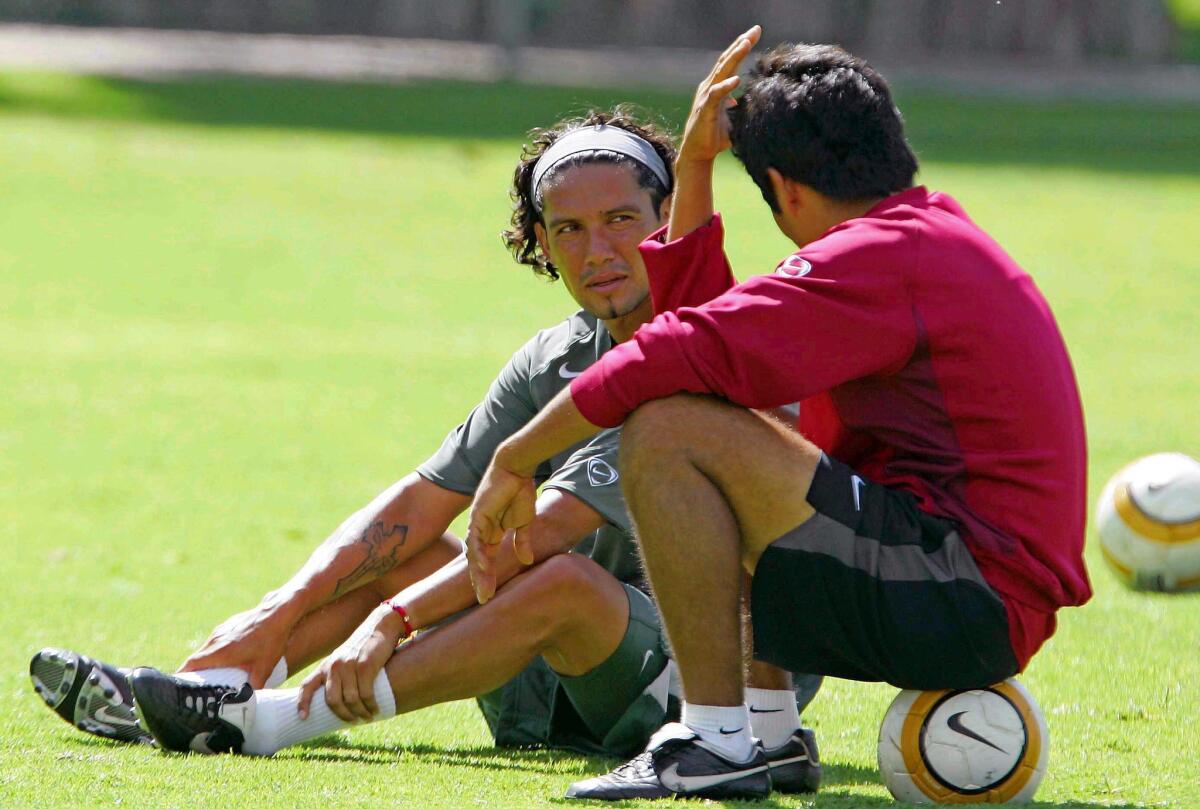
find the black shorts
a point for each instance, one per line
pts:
(872, 588)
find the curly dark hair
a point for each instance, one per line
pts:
(825, 118)
(520, 239)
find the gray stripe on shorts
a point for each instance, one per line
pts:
(824, 535)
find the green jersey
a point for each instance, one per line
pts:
(533, 376)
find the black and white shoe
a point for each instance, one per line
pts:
(91, 695)
(677, 762)
(186, 716)
(796, 764)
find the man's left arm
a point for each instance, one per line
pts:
(348, 673)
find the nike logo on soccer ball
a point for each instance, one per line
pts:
(104, 716)
(672, 780)
(956, 725)
(567, 373)
(857, 484)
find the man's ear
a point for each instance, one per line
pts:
(540, 232)
(664, 208)
(785, 190)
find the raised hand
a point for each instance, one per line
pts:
(706, 134)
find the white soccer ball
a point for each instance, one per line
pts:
(1148, 519)
(983, 745)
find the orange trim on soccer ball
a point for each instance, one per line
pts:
(910, 749)
(1188, 583)
(1123, 570)
(1033, 747)
(1148, 527)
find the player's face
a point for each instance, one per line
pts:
(595, 216)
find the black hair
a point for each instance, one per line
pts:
(825, 118)
(520, 237)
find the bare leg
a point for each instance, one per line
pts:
(758, 673)
(567, 609)
(709, 486)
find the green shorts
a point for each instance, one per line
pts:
(611, 710)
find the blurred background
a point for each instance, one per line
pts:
(1055, 46)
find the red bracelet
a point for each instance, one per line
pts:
(403, 613)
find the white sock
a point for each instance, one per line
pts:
(236, 678)
(725, 728)
(278, 675)
(773, 715)
(277, 724)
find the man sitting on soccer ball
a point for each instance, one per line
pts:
(569, 652)
(926, 522)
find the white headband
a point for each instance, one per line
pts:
(598, 138)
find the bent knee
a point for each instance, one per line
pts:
(569, 572)
(672, 420)
(570, 586)
(681, 424)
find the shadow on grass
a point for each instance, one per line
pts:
(1119, 137)
(835, 778)
(337, 749)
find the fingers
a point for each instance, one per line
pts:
(366, 687)
(718, 93)
(484, 520)
(333, 695)
(258, 674)
(352, 697)
(307, 688)
(523, 545)
(481, 568)
(729, 60)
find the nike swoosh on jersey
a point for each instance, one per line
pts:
(672, 780)
(567, 373)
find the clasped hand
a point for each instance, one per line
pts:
(348, 674)
(504, 505)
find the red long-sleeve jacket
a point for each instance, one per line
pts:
(922, 356)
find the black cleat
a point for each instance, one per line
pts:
(796, 764)
(186, 716)
(91, 695)
(678, 763)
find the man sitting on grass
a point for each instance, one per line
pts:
(569, 652)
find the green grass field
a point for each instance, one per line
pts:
(232, 311)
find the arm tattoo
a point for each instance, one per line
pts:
(380, 543)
